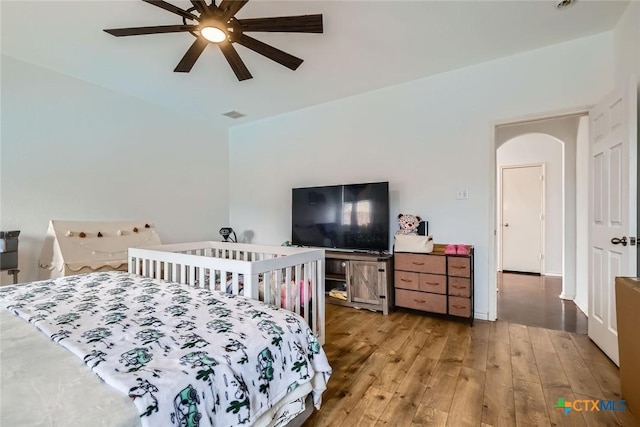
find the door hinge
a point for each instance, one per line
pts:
(632, 241)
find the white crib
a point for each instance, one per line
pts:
(288, 277)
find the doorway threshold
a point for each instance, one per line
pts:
(528, 273)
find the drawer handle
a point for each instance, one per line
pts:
(417, 263)
(458, 286)
(432, 283)
(419, 300)
(459, 306)
(406, 280)
(459, 268)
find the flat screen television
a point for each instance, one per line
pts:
(352, 216)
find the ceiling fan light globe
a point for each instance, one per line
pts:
(213, 34)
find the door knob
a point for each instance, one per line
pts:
(506, 224)
(622, 241)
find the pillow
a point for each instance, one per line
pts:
(411, 243)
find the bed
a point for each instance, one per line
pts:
(169, 337)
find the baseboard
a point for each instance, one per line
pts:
(582, 306)
(552, 274)
(480, 316)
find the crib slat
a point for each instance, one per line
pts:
(267, 280)
(235, 283)
(201, 278)
(223, 281)
(298, 281)
(305, 290)
(277, 297)
(287, 288)
(192, 275)
(183, 273)
(319, 305)
(310, 276)
(251, 286)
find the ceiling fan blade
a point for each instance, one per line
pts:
(284, 24)
(234, 60)
(230, 7)
(201, 6)
(282, 58)
(171, 8)
(186, 63)
(120, 32)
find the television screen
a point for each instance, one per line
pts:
(354, 216)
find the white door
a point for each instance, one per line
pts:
(612, 214)
(522, 209)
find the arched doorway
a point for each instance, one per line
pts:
(547, 147)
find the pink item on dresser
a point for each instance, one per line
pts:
(462, 250)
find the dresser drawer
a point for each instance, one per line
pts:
(421, 263)
(407, 280)
(424, 301)
(433, 283)
(459, 266)
(460, 286)
(460, 306)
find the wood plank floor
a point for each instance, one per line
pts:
(535, 301)
(410, 369)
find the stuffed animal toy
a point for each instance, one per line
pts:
(408, 224)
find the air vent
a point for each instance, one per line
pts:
(233, 114)
(563, 4)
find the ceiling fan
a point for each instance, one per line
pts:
(217, 24)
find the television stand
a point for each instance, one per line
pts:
(359, 280)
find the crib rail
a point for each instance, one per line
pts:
(290, 278)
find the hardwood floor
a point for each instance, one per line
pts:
(411, 369)
(534, 301)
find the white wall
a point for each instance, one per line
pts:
(428, 138)
(627, 43)
(72, 150)
(582, 219)
(534, 149)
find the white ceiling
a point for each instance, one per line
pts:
(366, 45)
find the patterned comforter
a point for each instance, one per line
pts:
(187, 357)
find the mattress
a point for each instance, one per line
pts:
(43, 383)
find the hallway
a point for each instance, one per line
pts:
(533, 301)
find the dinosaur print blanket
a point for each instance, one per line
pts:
(187, 357)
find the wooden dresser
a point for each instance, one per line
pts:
(435, 282)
